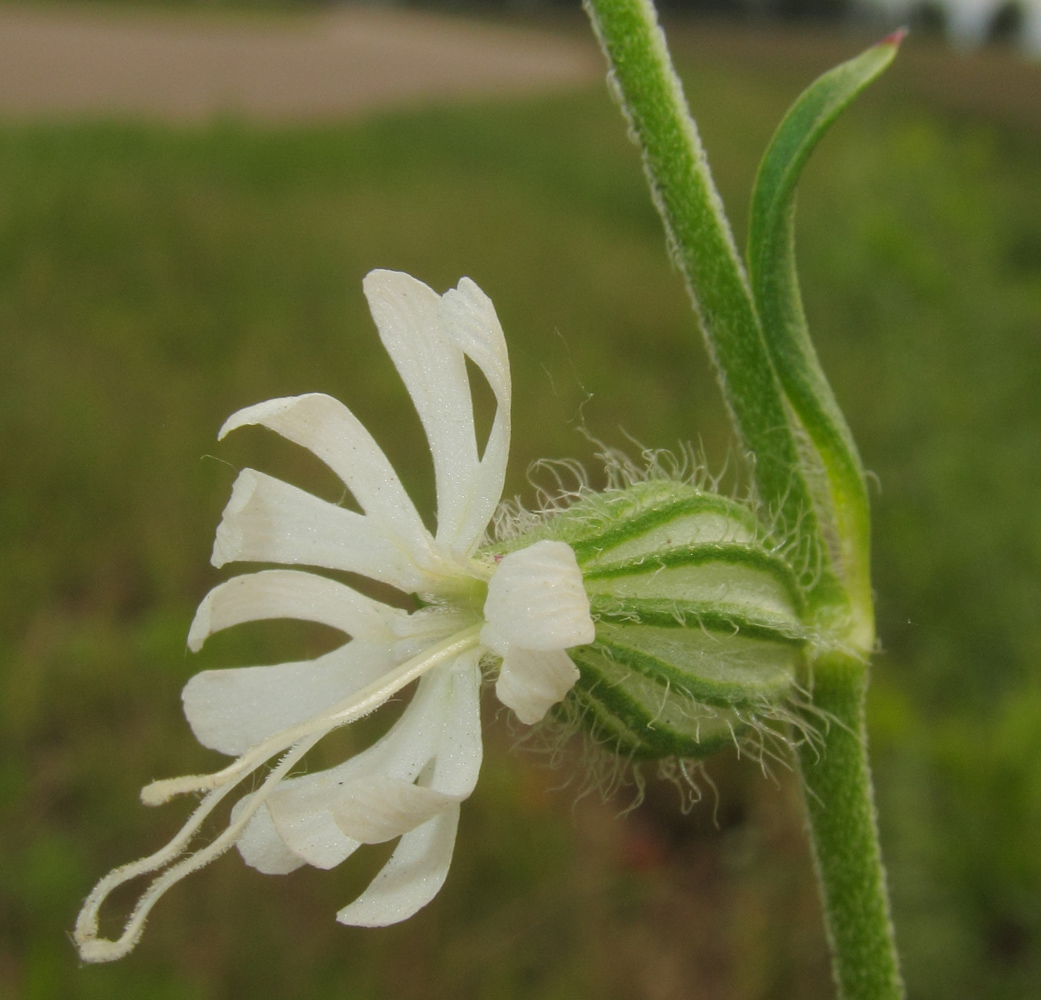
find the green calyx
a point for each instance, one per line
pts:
(700, 620)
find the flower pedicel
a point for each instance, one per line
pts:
(665, 618)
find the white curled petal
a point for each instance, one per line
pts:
(531, 682)
(267, 520)
(377, 809)
(407, 314)
(411, 878)
(234, 709)
(302, 808)
(288, 593)
(536, 600)
(327, 428)
(260, 845)
(468, 319)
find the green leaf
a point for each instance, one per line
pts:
(842, 497)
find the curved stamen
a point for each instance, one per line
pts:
(295, 741)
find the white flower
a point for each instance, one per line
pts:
(526, 607)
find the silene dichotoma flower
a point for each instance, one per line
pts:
(664, 619)
(522, 609)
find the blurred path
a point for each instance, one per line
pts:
(58, 62)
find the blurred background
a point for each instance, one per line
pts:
(190, 196)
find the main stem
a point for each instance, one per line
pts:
(844, 833)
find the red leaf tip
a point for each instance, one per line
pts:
(895, 38)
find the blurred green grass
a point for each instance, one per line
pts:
(152, 280)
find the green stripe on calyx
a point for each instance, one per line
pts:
(706, 616)
(644, 720)
(692, 520)
(735, 575)
(718, 670)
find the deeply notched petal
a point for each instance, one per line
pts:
(434, 371)
(288, 593)
(234, 709)
(468, 320)
(429, 337)
(267, 520)
(329, 430)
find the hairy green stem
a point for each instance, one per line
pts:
(699, 236)
(844, 833)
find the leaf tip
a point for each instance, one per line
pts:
(896, 37)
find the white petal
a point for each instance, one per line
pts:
(468, 319)
(459, 748)
(377, 809)
(288, 593)
(324, 816)
(536, 600)
(260, 845)
(427, 627)
(532, 682)
(327, 428)
(302, 807)
(267, 520)
(411, 878)
(407, 313)
(312, 833)
(233, 710)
